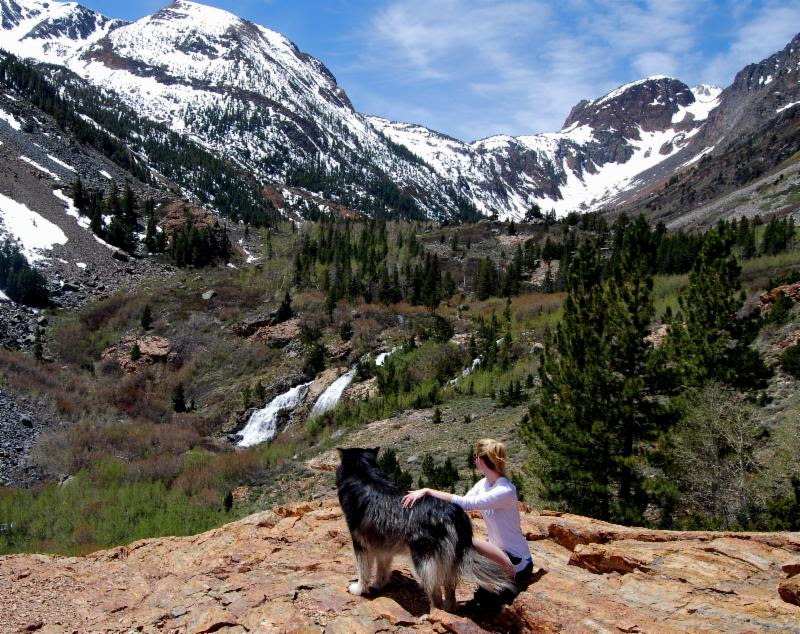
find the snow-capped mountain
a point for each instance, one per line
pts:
(250, 95)
(602, 147)
(50, 31)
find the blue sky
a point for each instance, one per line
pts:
(473, 68)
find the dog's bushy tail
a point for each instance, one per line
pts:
(485, 572)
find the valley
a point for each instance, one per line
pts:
(215, 270)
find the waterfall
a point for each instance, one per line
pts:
(262, 424)
(475, 363)
(330, 397)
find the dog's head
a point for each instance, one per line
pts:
(355, 459)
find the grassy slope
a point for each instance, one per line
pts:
(134, 456)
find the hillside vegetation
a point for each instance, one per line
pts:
(621, 363)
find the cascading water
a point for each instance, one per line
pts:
(330, 397)
(382, 356)
(262, 424)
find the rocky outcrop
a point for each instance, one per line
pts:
(768, 299)
(278, 335)
(362, 390)
(152, 349)
(287, 570)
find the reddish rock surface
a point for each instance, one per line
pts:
(152, 349)
(792, 291)
(279, 334)
(287, 570)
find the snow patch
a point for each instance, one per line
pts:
(694, 159)
(71, 209)
(81, 265)
(706, 99)
(625, 87)
(58, 161)
(41, 168)
(33, 231)
(787, 106)
(106, 174)
(10, 119)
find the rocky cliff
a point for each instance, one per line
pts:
(287, 569)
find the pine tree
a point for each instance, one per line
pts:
(178, 399)
(597, 397)
(38, 348)
(487, 279)
(285, 311)
(707, 339)
(259, 392)
(147, 317)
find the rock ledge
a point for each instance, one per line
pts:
(287, 570)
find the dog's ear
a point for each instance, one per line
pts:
(375, 451)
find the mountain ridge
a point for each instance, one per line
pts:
(251, 95)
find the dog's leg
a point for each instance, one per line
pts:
(427, 570)
(383, 572)
(364, 566)
(450, 597)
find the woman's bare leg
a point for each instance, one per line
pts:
(494, 553)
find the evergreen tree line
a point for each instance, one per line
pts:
(123, 136)
(195, 246)
(384, 200)
(608, 394)
(122, 209)
(674, 252)
(19, 280)
(355, 264)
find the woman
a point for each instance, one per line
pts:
(496, 498)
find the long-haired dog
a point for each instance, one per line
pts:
(436, 534)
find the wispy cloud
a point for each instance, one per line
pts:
(518, 66)
(771, 28)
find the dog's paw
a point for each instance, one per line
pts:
(356, 588)
(380, 583)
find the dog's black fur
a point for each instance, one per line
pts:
(437, 534)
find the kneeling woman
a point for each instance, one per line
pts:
(496, 498)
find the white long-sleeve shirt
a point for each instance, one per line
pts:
(499, 507)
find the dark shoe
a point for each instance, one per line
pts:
(484, 603)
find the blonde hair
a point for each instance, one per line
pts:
(496, 453)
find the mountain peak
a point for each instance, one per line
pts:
(648, 103)
(203, 17)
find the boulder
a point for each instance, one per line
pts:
(152, 349)
(361, 391)
(790, 591)
(278, 335)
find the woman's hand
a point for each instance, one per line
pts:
(410, 498)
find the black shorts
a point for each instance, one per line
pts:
(523, 574)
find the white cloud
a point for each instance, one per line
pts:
(769, 31)
(513, 66)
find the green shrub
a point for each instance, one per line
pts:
(781, 309)
(790, 360)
